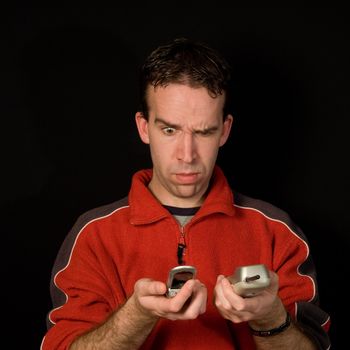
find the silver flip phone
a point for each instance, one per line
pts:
(177, 278)
(250, 280)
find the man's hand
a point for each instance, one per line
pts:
(264, 310)
(149, 298)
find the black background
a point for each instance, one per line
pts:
(68, 141)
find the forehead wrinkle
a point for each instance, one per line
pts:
(192, 128)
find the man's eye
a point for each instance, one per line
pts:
(204, 132)
(168, 130)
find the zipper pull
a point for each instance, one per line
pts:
(180, 253)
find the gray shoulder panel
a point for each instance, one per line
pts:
(265, 208)
(269, 210)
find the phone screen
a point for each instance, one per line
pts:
(180, 279)
(178, 276)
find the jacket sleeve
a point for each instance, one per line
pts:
(298, 284)
(85, 287)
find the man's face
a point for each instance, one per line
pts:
(185, 129)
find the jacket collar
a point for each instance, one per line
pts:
(145, 208)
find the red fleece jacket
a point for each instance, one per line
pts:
(110, 248)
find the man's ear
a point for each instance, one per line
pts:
(142, 127)
(226, 129)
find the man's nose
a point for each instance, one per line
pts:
(186, 148)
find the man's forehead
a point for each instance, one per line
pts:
(181, 99)
(173, 88)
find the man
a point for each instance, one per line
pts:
(108, 282)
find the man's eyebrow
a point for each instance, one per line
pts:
(159, 120)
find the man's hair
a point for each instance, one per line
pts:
(187, 62)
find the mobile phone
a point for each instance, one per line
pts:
(250, 280)
(177, 278)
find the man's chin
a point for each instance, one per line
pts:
(188, 194)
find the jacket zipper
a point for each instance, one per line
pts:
(181, 247)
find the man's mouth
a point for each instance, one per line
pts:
(186, 178)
